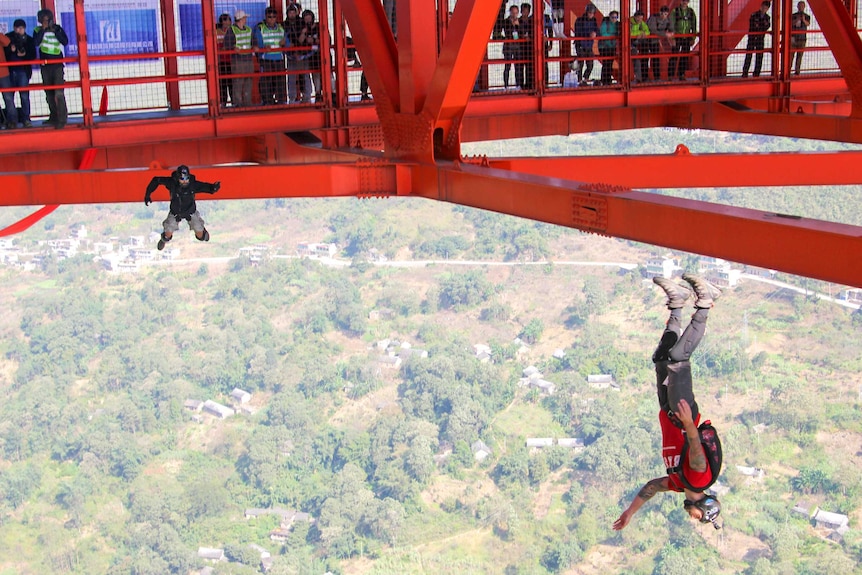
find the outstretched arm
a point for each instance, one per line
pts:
(646, 493)
(696, 455)
(154, 183)
(206, 188)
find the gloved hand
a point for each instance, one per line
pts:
(147, 200)
(216, 187)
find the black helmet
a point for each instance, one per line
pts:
(710, 509)
(182, 175)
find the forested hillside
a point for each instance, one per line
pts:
(378, 438)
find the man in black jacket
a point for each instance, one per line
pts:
(21, 49)
(50, 38)
(758, 25)
(183, 186)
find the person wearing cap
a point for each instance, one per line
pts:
(21, 48)
(269, 38)
(640, 46)
(182, 186)
(684, 24)
(661, 33)
(238, 38)
(50, 39)
(679, 414)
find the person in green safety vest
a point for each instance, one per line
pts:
(49, 38)
(238, 39)
(269, 37)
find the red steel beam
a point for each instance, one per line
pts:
(687, 170)
(417, 52)
(716, 116)
(368, 177)
(811, 248)
(843, 38)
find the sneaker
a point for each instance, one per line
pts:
(677, 294)
(161, 245)
(706, 292)
(28, 124)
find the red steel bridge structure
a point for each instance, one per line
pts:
(435, 85)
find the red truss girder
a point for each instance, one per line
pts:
(812, 248)
(683, 169)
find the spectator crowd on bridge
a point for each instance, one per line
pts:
(272, 58)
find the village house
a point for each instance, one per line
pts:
(480, 450)
(217, 409)
(539, 442)
(389, 361)
(239, 396)
(195, 405)
(211, 554)
(601, 381)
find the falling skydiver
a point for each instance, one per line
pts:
(183, 186)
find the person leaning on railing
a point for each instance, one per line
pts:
(661, 39)
(50, 38)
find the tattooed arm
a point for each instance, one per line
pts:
(652, 487)
(696, 456)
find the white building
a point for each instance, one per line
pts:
(661, 266)
(318, 250)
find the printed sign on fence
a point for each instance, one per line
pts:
(191, 27)
(12, 10)
(113, 26)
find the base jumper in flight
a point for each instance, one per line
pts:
(183, 186)
(679, 415)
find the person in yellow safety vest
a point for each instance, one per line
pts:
(269, 37)
(640, 46)
(50, 38)
(238, 38)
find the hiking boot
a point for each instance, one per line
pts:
(161, 245)
(677, 294)
(28, 124)
(706, 292)
(204, 238)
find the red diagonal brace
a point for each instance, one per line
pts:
(461, 55)
(375, 45)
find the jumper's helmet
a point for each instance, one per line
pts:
(710, 509)
(182, 175)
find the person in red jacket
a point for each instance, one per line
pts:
(679, 411)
